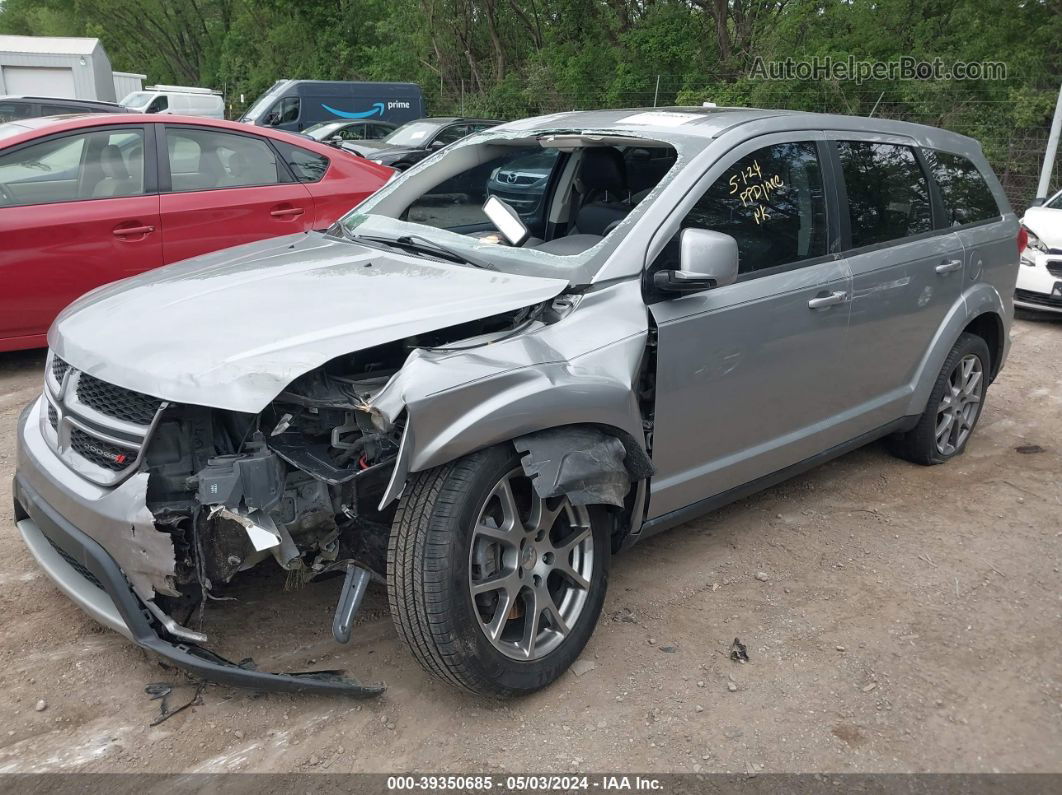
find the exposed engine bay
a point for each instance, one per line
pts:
(300, 483)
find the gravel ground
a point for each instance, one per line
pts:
(897, 618)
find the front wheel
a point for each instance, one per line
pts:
(493, 588)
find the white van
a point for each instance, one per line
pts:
(180, 100)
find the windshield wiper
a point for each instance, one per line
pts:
(418, 243)
(415, 243)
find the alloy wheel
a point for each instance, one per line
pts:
(530, 567)
(959, 405)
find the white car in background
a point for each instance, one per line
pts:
(1040, 275)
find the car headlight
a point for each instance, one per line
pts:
(1034, 242)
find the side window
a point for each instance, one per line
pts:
(56, 110)
(205, 159)
(158, 104)
(967, 197)
(98, 165)
(115, 164)
(771, 201)
(9, 111)
(288, 108)
(353, 132)
(455, 132)
(888, 197)
(519, 178)
(306, 166)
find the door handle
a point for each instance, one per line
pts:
(823, 301)
(948, 266)
(289, 211)
(133, 230)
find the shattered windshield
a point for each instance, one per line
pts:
(577, 194)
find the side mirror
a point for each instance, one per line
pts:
(336, 140)
(1038, 201)
(506, 220)
(273, 119)
(435, 146)
(707, 259)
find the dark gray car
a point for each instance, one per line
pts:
(481, 406)
(415, 140)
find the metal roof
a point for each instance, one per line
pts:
(49, 45)
(678, 123)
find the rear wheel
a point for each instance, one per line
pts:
(954, 406)
(492, 587)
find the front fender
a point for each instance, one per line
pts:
(595, 389)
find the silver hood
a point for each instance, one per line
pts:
(233, 328)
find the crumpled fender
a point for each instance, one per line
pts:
(577, 371)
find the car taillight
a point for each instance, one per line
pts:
(1023, 239)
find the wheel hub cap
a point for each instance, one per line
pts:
(530, 566)
(959, 405)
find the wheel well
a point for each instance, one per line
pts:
(989, 327)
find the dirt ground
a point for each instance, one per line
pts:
(897, 618)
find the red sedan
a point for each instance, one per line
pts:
(86, 200)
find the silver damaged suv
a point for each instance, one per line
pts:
(536, 347)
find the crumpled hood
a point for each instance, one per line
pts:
(233, 328)
(1046, 224)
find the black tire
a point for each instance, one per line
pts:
(428, 580)
(919, 445)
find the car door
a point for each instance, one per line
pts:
(222, 188)
(907, 275)
(746, 373)
(77, 210)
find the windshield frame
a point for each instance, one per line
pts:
(578, 269)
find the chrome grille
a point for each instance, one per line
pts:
(115, 401)
(101, 453)
(59, 368)
(97, 428)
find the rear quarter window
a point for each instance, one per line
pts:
(963, 189)
(305, 165)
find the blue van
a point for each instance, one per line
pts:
(297, 104)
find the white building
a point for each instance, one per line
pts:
(125, 83)
(54, 66)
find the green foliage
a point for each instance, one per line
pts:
(511, 58)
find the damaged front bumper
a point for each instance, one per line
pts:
(86, 573)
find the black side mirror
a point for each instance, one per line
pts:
(678, 282)
(273, 119)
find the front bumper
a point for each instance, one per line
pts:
(90, 577)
